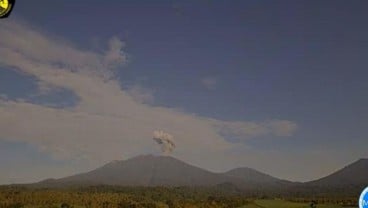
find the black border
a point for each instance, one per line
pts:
(12, 3)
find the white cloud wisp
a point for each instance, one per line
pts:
(107, 122)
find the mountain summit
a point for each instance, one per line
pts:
(150, 170)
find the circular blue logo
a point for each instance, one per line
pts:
(363, 200)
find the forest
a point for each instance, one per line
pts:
(154, 197)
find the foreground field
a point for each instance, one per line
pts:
(285, 204)
(144, 197)
(250, 204)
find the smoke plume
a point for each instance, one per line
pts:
(165, 140)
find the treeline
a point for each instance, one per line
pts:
(157, 197)
(114, 197)
(343, 201)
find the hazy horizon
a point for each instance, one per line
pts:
(149, 156)
(277, 87)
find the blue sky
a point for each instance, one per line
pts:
(245, 70)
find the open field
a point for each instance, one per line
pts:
(285, 204)
(143, 197)
(252, 204)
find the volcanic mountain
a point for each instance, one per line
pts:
(355, 174)
(251, 175)
(149, 170)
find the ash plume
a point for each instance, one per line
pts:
(165, 140)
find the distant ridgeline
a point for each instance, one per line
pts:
(165, 171)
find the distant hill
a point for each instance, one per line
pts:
(149, 170)
(355, 174)
(251, 175)
(146, 170)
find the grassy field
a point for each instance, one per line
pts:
(284, 204)
(255, 204)
(146, 197)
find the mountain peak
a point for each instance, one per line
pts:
(362, 160)
(141, 159)
(352, 174)
(150, 156)
(146, 170)
(161, 170)
(143, 156)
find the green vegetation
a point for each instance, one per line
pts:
(271, 203)
(144, 197)
(287, 204)
(280, 204)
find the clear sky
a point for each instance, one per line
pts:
(279, 86)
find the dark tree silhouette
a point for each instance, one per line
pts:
(313, 204)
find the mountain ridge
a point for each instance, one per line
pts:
(151, 170)
(355, 173)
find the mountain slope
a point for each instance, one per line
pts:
(251, 175)
(151, 170)
(145, 171)
(353, 174)
(253, 180)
